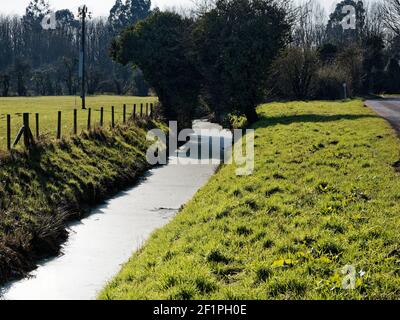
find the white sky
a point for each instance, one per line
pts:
(102, 7)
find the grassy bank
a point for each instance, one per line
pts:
(47, 107)
(42, 188)
(324, 194)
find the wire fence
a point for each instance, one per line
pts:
(67, 123)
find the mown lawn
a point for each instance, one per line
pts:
(48, 107)
(324, 195)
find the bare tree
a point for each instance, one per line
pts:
(391, 15)
(202, 6)
(374, 20)
(310, 25)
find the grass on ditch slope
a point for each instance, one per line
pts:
(48, 107)
(324, 194)
(41, 189)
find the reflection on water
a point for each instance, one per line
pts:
(100, 243)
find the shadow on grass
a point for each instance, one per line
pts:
(305, 118)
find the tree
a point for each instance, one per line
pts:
(35, 12)
(5, 84)
(66, 19)
(391, 15)
(203, 6)
(56, 50)
(21, 71)
(141, 88)
(330, 79)
(38, 81)
(93, 79)
(293, 73)
(393, 75)
(157, 45)
(67, 67)
(234, 45)
(123, 15)
(33, 35)
(373, 63)
(117, 18)
(374, 20)
(310, 28)
(327, 52)
(336, 33)
(350, 60)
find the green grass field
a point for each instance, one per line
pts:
(47, 107)
(324, 195)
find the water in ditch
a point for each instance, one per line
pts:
(99, 244)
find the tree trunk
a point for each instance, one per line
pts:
(251, 115)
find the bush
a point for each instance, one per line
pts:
(329, 81)
(235, 121)
(293, 73)
(351, 60)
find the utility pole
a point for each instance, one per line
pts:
(83, 10)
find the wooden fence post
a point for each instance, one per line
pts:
(151, 110)
(134, 111)
(147, 109)
(141, 110)
(124, 113)
(27, 137)
(59, 125)
(8, 132)
(37, 126)
(112, 117)
(101, 116)
(89, 121)
(75, 121)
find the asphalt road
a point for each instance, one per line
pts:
(388, 108)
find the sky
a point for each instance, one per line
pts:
(102, 7)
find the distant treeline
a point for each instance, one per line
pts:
(34, 61)
(326, 54)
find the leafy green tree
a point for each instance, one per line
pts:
(35, 12)
(117, 15)
(234, 45)
(125, 14)
(66, 19)
(373, 63)
(157, 45)
(336, 33)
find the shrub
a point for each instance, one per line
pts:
(293, 73)
(330, 79)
